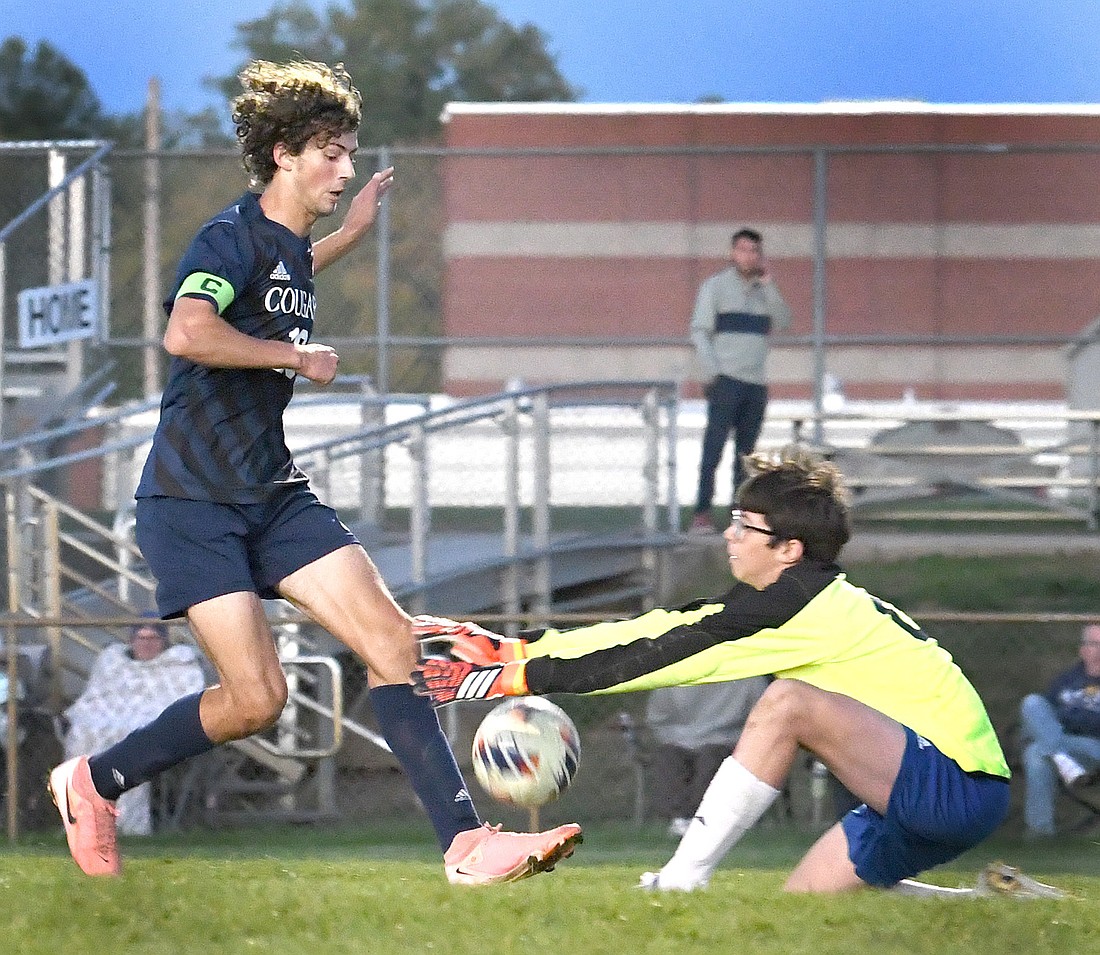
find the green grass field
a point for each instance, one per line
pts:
(321, 890)
(309, 890)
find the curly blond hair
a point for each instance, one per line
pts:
(291, 103)
(802, 496)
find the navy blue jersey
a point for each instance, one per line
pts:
(220, 436)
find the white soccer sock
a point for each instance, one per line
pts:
(733, 802)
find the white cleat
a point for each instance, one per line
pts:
(660, 882)
(1006, 880)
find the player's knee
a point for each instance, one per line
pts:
(784, 701)
(783, 695)
(260, 707)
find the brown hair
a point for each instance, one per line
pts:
(291, 103)
(803, 497)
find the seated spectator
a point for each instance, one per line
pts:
(696, 728)
(130, 684)
(1061, 732)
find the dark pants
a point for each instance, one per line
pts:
(732, 406)
(681, 776)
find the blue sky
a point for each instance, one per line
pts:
(940, 51)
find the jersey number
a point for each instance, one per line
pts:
(297, 336)
(909, 626)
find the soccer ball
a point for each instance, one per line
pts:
(526, 752)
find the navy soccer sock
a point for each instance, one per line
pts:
(412, 729)
(174, 736)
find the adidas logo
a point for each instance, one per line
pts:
(118, 777)
(280, 274)
(462, 796)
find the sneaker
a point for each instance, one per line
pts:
(1068, 768)
(89, 819)
(701, 524)
(1000, 879)
(486, 856)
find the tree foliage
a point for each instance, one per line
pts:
(43, 95)
(410, 57)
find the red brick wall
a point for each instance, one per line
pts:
(943, 245)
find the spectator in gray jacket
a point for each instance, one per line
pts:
(695, 728)
(735, 313)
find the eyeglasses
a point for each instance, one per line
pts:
(739, 526)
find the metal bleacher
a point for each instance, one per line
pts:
(79, 578)
(464, 507)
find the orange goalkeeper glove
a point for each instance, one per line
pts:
(448, 680)
(465, 641)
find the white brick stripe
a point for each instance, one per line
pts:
(904, 365)
(890, 240)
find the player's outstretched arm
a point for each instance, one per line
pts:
(358, 220)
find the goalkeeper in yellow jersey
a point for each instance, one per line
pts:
(858, 684)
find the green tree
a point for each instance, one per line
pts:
(43, 95)
(410, 57)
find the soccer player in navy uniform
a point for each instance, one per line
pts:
(858, 683)
(225, 518)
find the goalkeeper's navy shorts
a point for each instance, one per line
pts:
(936, 812)
(198, 550)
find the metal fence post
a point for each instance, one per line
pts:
(1093, 516)
(820, 210)
(510, 596)
(101, 245)
(540, 505)
(672, 414)
(372, 462)
(51, 591)
(382, 307)
(11, 746)
(651, 419)
(419, 514)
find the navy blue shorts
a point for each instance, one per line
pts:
(936, 812)
(201, 549)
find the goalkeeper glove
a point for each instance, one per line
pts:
(448, 680)
(465, 641)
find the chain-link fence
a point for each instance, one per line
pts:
(193, 186)
(953, 271)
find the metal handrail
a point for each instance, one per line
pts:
(77, 427)
(469, 410)
(42, 201)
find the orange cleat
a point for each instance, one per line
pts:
(487, 856)
(89, 819)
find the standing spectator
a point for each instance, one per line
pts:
(735, 312)
(695, 728)
(147, 674)
(1061, 730)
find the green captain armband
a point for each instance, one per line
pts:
(213, 286)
